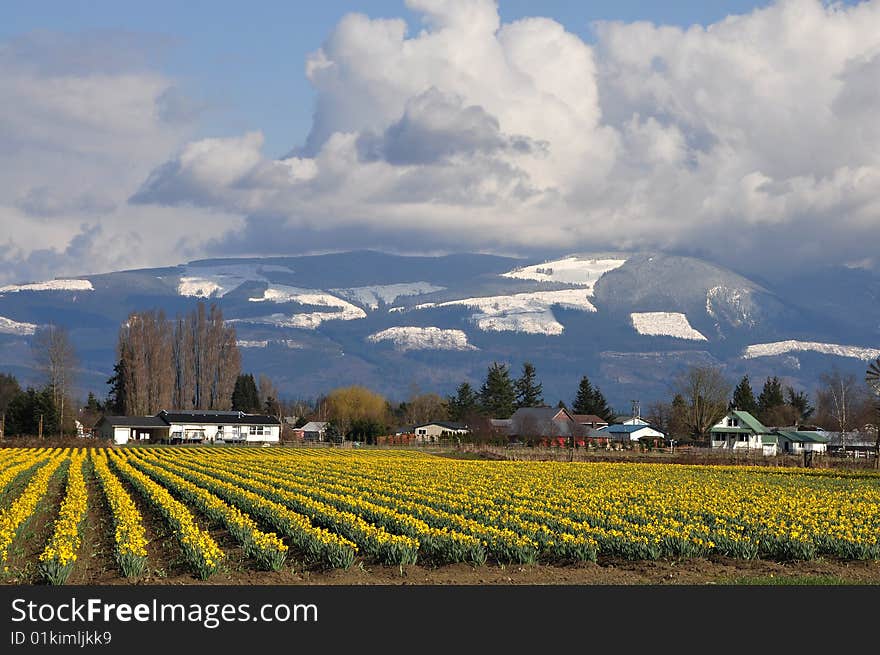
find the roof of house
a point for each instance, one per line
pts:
(618, 428)
(750, 421)
(538, 413)
(217, 418)
(803, 436)
(314, 426)
(588, 418)
(541, 422)
(449, 425)
(133, 421)
(630, 420)
(500, 422)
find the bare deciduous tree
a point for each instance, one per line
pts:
(837, 400)
(424, 407)
(705, 392)
(191, 363)
(56, 358)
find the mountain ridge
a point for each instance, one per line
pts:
(628, 320)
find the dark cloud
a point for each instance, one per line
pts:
(437, 126)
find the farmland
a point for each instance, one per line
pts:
(251, 516)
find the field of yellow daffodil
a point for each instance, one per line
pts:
(332, 507)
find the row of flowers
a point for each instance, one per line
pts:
(18, 462)
(60, 554)
(266, 548)
(318, 545)
(21, 508)
(129, 538)
(199, 548)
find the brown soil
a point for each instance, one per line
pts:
(96, 563)
(718, 570)
(165, 559)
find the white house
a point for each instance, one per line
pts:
(630, 431)
(431, 432)
(203, 426)
(739, 430)
(197, 426)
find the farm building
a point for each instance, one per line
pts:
(800, 441)
(630, 432)
(550, 425)
(431, 432)
(198, 426)
(123, 429)
(315, 431)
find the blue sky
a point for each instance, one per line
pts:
(243, 61)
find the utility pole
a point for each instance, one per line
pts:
(41, 426)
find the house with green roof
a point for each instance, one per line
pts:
(800, 441)
(740, 430)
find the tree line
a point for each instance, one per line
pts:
(702, 396)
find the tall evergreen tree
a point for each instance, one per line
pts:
(590, 400)
(464, 403)
(245, 397)
(528, 389)
(583, 402)
(117, 399)
(770, 396)
(800, 402)
(744, 397)
(497, 395)
(601, 407)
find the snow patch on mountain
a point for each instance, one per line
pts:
(197, 287)
(206, 281)
(781, 347)
(572, 269)
(529, 313)
(732, 305)
(423, 338)
(666, 324)
(215, 281)
(263, 343)
(50, 285)
(281, 294)
(8, 326)
(371, 296)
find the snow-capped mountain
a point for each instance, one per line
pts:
(627, 320)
